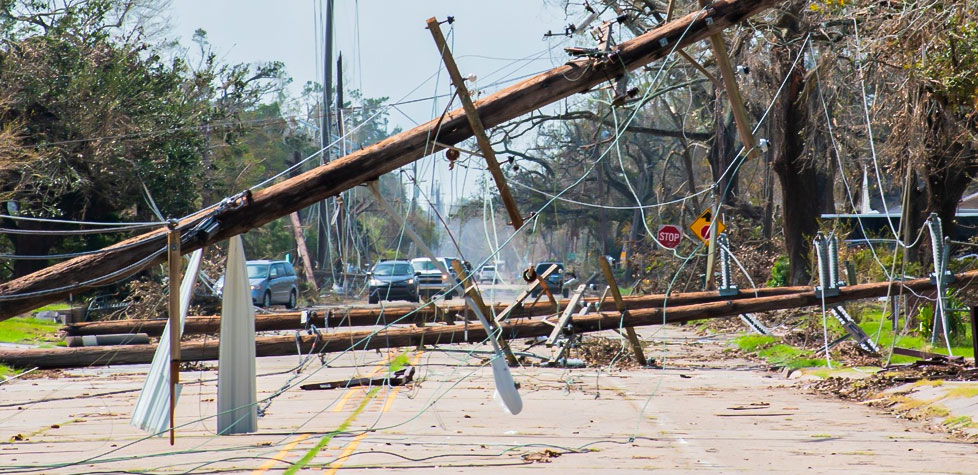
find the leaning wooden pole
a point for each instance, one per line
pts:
(174, 261)
(251, 210)
(448, 334)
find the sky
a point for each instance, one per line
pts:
(387, 52)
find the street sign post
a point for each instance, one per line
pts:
(701, 227)
(669, 236)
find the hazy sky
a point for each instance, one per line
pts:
(386, 49)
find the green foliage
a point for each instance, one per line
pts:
(950, 64)
(869, 266)
(779, 272)
(958, 332)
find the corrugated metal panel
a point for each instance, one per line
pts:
(237, 408)
(152, 411)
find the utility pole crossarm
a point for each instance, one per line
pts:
(476, 123)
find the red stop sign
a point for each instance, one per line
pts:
(669, 236)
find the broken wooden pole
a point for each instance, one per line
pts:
(476, 123)
(633, 340)
(300, 244)
(175, 262)
(406, 314)
(449, 334)
(253, 209)
(474, 298)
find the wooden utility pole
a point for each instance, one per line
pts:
(358, 317)
(300, 244)
(253, 209)
(476, 123)
(633, 340)
(449, 334)
(475, 298)
(733, 91)
(175, 261)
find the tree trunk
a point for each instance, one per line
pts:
(798, 179)
(722, 153)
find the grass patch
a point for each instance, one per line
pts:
(960, 421)
(963, 391)
(54, 307)
(7, 371)
(754, 343)
(870, 323)
(778, 354)
(28, 330)
(399, 362)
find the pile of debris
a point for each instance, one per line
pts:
(862, 389)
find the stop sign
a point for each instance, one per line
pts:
(669, 236)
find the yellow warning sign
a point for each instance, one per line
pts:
(701, 227)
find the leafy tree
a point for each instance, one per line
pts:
(106, 122)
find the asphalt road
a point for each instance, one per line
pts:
(701, 412)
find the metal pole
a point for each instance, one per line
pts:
(173, 256)
(324, 247)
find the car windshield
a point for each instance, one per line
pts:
(423, 265)
(489, 269)
(393, 268)
(541, 268)
(257, 271)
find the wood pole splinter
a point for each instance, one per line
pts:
(175, 261)
(620, 304)
(476, 123)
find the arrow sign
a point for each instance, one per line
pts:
(701, 227)
(669, 236)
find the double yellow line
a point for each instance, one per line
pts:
(341, 404)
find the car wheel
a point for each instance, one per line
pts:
(372, 299)
(293, 300)
(266, 301)
(565, 292)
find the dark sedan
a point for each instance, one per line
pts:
(392, 280)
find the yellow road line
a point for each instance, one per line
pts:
(341, 404)
(333, 467)
(280, 456)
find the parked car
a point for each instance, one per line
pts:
(488, 274)
(430, 280)
(392, 280)
(555, 282)
(272, 282)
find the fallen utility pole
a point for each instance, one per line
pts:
(449, 334)
(475, 122)
(403, 314)
(251, 210)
